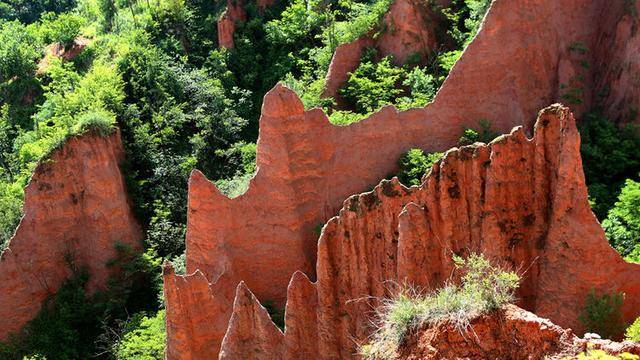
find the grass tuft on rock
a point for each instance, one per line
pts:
(483, 288)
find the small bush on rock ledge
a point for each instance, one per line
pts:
(483, 288)
(602, 314)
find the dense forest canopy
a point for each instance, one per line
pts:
(153, 68)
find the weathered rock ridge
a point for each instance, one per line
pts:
(521, 202)
(76, 208)
(524, 58)
(510, 333)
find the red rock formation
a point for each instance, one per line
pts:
(76, 207)
(226, 29)
(510, 333)
(251, 334)
(58, 50)
(345, 60)
(234, 14)
(307, 166)
(521, 202)
(409, 30)
(616, 60)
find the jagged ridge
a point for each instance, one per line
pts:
(521, 202)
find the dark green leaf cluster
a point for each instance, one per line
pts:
(602, 314)
(71, 320)
(609, 156)
(414, 164)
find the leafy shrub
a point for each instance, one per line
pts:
(414, 164)
(97, 121)
(602, 314)
(180, 264)
(448, 59)
(346, 117)
(234, 186)
(485, 135)
(422, 88)
(622, 224)
(62, 29)
(71, 322)
(18, 55)
(633, 332)
(11, 198)
(28, 11)
(602, 355)
(609, 157)
(65, 327)
(477, 10)
(372, 84)
(144, 338)
(484, 288)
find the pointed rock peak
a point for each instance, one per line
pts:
(199, 181)
(556, 114)
(197, 177)
(281, 102)
(167, 268)
(299, 277)
(251, 333)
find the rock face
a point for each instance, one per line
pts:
(521, 202)
(234, 14)
(409, 30)
(617, 90)
(251, 334)
(307, 167)
(58, 50)
(509, 333)
(76, 208)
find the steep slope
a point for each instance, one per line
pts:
(76, 209)
(521, 202)
(523, 58)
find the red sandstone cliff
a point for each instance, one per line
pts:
(76, 206)
(517, 64)
(521, 202)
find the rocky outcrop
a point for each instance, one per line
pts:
(617, 89)
(408, 29)
(251, 334)
(58, 50)
(521, 202)
(509, 333)
(234, 14)
(306, 166)
(76, 210)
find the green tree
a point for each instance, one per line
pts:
(18, 55)
(602, 314)
(144, 338)
(609, 157)
(29, 11)
(373, 84)
(62, 29)
(622, 224)
(414, 164)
